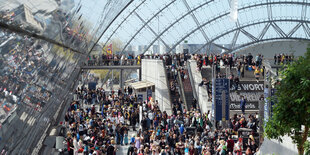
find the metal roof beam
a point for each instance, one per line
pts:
(252, 24)
(233, 42)
(304, 10)
(21, 31)
(109, 26)
(119, 25)
(162, 9)
(176, 21)
(227, 13)
(269, 10)
(248, 34)
(269, 39)
(143, 21)
(262, 34)
(196, 20)
(306, 28)
(294, 29)
(278, 29)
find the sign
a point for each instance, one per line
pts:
(251, 90)
(149, 94)
(109, 49)
(220, 103)
(266, 105)
(92, 85)
(140, 97)
(273, 92)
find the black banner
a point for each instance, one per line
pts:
(251, 90)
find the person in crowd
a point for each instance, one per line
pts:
(257, 74)
(242, 104)
(91, 131)
(105, 128)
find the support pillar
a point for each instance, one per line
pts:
(140, 74)
(121, 81)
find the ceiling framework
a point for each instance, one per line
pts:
(203, 25)
(270, 19)
(299, 25)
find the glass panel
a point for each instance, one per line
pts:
(77, 24)
(36, 77)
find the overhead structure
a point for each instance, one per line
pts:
(209, 22)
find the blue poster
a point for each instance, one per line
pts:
(273, 93)
(140, 97)
(266, 106)
(221, 99)
(92, 85)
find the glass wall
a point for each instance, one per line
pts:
(36, 76)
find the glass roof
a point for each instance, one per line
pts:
(177, 21)
(79, 24)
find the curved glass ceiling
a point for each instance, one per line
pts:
(170, 23)
(78, 24)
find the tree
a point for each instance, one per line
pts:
(291, 112)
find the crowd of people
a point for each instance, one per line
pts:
(21, 62)
(283, 58)
(131, 59)
(94, 130)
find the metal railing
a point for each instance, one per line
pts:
(112, 62)
(182, 93)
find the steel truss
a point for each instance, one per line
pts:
(176, 21)
(146, 23)
(123, 21)
(270, 19)
(199, 26)
(269, 39)
(300, 23)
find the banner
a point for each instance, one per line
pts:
(220, 103)
(148, 94)
(251, 90)
(109, 49)
(140, 97)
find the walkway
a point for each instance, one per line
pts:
(123, 149)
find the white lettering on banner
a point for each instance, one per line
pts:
(252, 87)
(245, 86)
(249, 96)
(247, 106)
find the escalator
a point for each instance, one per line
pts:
(174, 87)
(188, 90)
